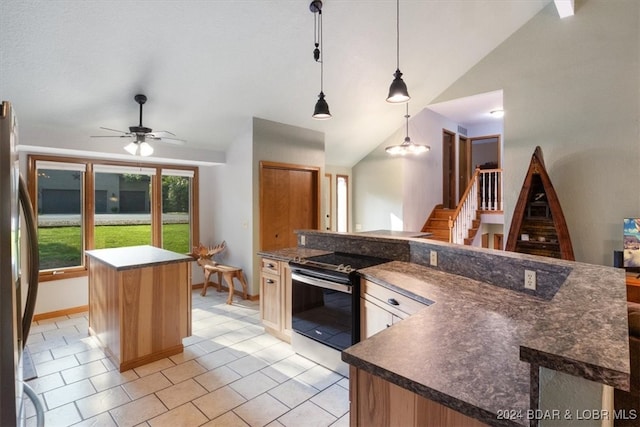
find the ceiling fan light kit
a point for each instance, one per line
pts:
(139, 145)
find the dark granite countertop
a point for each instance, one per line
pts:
(130, 257)
(287, 254)
(471, 350)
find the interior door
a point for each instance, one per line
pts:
(464, 164)
(289, 201)
(448, 169)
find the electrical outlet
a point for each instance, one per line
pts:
(433, 258)
(303, 240)
(530, 280)
(358, 227)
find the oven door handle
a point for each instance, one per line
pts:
(321, 283)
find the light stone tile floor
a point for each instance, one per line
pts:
(231, 373)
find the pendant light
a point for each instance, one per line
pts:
(407, 147)
(398, 93)
(321, 110)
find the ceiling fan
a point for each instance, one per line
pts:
(140, 135)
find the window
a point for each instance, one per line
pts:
(176, 210)
(59, 214)
(83, 204)
(342, 202)
(122, 206)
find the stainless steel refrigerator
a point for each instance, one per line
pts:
(18, 276)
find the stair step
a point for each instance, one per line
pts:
(443, 213)
(438, 223)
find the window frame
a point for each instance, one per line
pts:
(339, 202)
(88, 208)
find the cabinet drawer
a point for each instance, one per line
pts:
(389, 299)
(270, 266)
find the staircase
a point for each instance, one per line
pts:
(438, 223)
(460, 225)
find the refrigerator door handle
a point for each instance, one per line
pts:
(33, 259)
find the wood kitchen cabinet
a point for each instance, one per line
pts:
(377, 402)
(275, 298)
(382, 307)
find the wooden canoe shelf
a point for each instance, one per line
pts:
(538, 226)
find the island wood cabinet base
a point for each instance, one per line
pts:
(139, 315)
(377, 402)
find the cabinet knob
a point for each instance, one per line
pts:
(270, 265)
(270, 281)
(393, 301)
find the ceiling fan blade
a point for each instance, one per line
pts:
(113, 130)
(110, 136)
(163, 131)
(174, 141)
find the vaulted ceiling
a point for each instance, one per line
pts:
(207, 67)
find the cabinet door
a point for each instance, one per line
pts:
(373, 319)
(270, 301)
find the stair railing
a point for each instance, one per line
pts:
(484, 192)
(490, 187)
(460, 221)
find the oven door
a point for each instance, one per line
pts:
(325, 310)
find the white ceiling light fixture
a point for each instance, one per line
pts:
(139, 148)
(407, 147)
(565, 8)
(498, 113)
(398, 92)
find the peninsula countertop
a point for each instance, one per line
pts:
(472, 349)
(130, 257)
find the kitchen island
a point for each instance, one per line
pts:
(139, 303)
(486, 351)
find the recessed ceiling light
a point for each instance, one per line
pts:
(497, 113)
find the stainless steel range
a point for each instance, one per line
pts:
(325, 305)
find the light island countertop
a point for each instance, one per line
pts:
(130, 257)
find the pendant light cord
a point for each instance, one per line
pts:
(407, 117)
(397, 34)
(321, 52)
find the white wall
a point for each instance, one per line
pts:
(407, 188)
(225, 206)
(278, 142)
(571, 86)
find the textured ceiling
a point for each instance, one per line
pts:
(207, 67)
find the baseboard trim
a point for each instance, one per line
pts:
(60, 313)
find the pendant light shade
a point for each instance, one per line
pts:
(407, 147)
(321, 110)
(398, 93)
